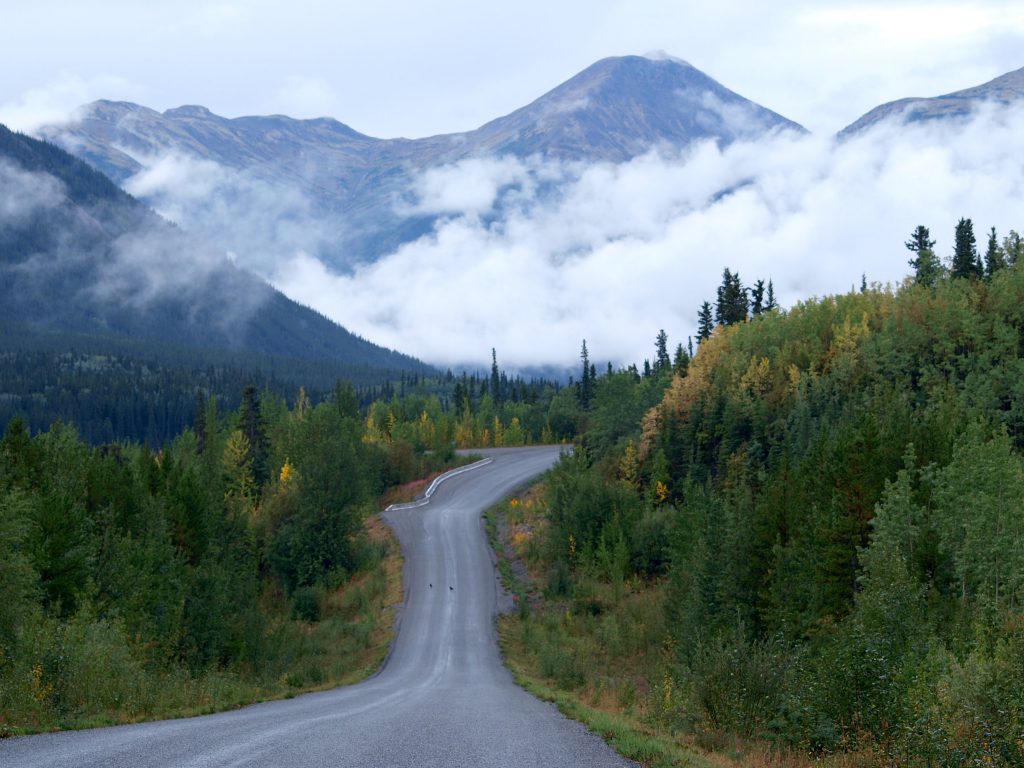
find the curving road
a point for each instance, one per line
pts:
(443, 698)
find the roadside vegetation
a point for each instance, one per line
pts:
(811, 549)
(239, 561)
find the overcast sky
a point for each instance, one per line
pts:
(402, 68)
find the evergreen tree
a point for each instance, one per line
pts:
(757, 298)
(731, 305)
(586, 385)
(770, 302)
(927, 267)
(252, 427)
(995, 258)
(966, 262)
(864, 282)
(495, 378)
(681, 362)
(345, 400)
(662, 362)
(920, 240)
(705, 323)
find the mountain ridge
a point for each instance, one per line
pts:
(612, 111)
(1003, 90)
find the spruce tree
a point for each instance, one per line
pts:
(722, 297)
(705, 323)
(495, 378)
(966, 262)
(920, 240)
(995, 258)
(770, 302)
(738, 300)
(681, 362)
(662, 362)
(757, 298)
(255, 433)
(585, 389)
(731, 304)
(927, 267)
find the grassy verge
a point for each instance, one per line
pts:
(596, 650)
(552, 664)
(348, 643)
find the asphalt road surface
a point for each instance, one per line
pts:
(443, 698)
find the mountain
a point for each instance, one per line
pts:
(614, 110)
(79, 255)
(620, 107)
(1005, 89)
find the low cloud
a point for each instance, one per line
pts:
(612, 253)
(58, 101)
(473, 187)
(23, 194)
(233, 210)
(107, 257)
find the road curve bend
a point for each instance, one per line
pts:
(443, 697)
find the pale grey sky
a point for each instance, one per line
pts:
(403, 68)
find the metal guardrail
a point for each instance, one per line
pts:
(433, 486)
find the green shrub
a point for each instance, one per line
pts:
(306, 604)
(737, 685)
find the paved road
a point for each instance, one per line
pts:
(442, 699)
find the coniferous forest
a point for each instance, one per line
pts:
(803, 534)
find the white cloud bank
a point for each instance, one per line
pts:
(615, 253)
(232, 209)
(531, 257)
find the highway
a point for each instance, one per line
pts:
(442, 698)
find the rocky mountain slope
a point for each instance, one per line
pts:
(1005, 89)
(614, 110)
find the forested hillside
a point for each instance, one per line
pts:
(815, 540)
(80, 256)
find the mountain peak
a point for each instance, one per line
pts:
(622, 106)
